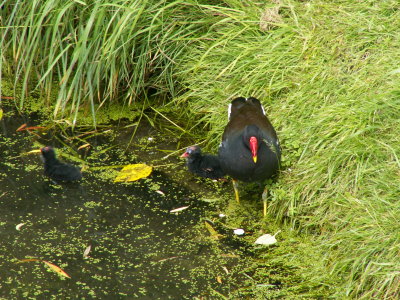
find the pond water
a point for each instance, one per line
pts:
(139, 249)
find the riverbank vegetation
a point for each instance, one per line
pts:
(326, 71)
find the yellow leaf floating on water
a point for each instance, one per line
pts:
(1, 114)
(133, 172)
(55, 268)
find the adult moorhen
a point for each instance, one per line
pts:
(250, 149)
(57, 170)
(203, 165)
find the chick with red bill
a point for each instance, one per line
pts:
(203, 165)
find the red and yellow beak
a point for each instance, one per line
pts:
(253, 147)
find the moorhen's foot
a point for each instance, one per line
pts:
(265, 198)
(236, 189)
(56, 170)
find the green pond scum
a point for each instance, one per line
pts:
(138, 248)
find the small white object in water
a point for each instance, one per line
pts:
(18, 227)
(87, 251)
(160, 192)
(222, 215)
(150, 139)
(266, 239)
(179, 209)
(238, 231)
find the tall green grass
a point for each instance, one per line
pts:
(94, 52)
(326, 71)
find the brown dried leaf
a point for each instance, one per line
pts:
(56, 269)
(87, 251)
(22, 127)
(28, 260)
(269, 18)
(53, 267)
(83, 146)
(7, 98)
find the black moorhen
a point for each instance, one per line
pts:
(250, 149)
(57, 170)
(203, 165)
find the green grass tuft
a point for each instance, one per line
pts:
(93, 51)
(328, 76)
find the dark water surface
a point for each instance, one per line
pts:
(139, 250)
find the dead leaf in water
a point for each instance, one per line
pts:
(83, 146)
(133, 172)
(266, 239)
(22, 127)
(179, 209)
(87, 251)
(56, 269)
(1, 114)
(53, 267)
(18, 227)
(28, 260)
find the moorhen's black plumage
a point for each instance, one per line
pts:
(203, 165)
(57, 170)
(250, 149)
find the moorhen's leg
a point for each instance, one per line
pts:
(235, 187)
(264, 198)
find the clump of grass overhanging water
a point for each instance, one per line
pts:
(92, 52)
(328, 74)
